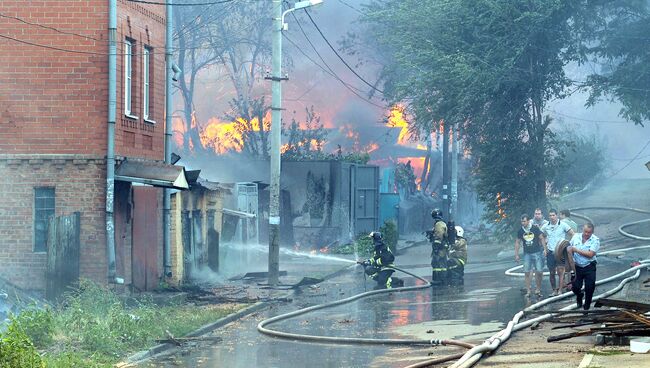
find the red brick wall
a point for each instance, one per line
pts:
(79, 186)
(145, 25)
(53, 101)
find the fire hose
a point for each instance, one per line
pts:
(261, 327)
(473, 355)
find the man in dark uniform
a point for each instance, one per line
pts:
(378, 267)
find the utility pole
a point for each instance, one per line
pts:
(276, 126)
(445, 170)
(453, 208)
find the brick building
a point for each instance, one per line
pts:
(53, 135)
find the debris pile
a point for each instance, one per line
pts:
(624, 318)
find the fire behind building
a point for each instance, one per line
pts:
(53, 141)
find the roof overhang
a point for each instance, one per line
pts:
(153, 173)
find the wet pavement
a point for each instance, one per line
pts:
(471, 312)
(486, 302)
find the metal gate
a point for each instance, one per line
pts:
(247, 201)
(365, 199)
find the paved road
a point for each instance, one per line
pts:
(486, 302)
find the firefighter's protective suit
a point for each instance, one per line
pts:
(457, 258)
(377, 267)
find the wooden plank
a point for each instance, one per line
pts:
(62, 255)
(623, 304)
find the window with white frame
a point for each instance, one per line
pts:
(43, 212)
(146, 86)
(128, 75)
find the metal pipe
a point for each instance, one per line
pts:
(110, 140)
(169, 73)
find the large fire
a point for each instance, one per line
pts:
(224, 136)
(397, 119)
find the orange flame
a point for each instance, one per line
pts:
(396, 119)
(228, 136)
(500, 211)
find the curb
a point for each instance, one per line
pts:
(143, 355)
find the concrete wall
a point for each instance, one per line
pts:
(195, 199)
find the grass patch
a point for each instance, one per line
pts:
(94, 328)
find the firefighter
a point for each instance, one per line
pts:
(457, 258)
(377, 267)
(439, 248)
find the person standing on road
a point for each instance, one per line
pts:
(565, 216)
(458, 258)
(529, 236)
(555, 231)
(583, 249)
(439, 248)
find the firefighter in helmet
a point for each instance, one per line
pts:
(378, 266)
(439, 248)
(457, 258)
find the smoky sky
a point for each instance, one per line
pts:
(309, 85)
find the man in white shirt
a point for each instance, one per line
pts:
(583, 249)
(555, 231)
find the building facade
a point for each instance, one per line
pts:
(53, 135)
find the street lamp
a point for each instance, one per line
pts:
(276, 126)
(296, 6)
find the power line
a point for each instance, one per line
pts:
(636, 157)
(51, 47)
(82, 36)
(332, 72)
(180, 4)
(590, 120)
(68, 50)
(51, 28)
(351, 7)
(328, 72)
(339, 56)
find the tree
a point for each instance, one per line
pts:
(305, 143)
(232, 41)
(491, 66)
(196, 52)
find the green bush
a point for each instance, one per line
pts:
(390, 234)
(362, 247)
(38, 324)
(16, 349)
